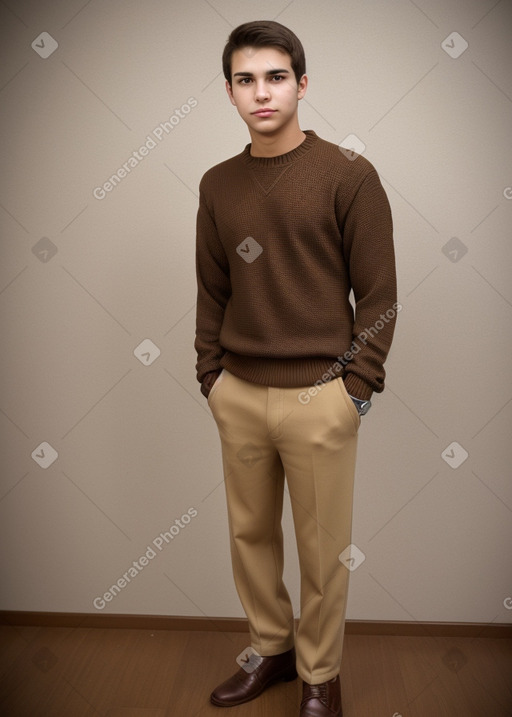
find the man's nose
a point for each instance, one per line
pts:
(261, 90)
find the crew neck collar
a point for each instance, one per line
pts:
(281, 159)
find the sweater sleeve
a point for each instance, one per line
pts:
(369, 253)
(213, 292)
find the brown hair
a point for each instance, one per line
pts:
(265, 33)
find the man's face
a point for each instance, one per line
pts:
(264, 89)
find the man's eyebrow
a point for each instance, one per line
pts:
(269, 72)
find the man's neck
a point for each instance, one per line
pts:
(269, 145)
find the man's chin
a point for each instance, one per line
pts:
(264, 127)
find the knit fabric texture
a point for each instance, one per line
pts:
(281, 243)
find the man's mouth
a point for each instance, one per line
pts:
(264, 112)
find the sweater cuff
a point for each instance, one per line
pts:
(357, 388)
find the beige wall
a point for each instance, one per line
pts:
(137, 446)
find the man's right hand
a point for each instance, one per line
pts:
(209, 380)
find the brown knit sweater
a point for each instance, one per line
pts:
(281, 241)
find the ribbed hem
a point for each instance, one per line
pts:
(357, 388)
(294, 373)
(281, 159)
(282, 373)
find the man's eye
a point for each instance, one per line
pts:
(277, 77)
(245, 80)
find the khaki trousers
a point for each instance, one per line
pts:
(308, 435)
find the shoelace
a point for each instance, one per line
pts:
(318, 691)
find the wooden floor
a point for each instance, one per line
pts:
(93, 672)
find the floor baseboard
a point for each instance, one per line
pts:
(235, 624)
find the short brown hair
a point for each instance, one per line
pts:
(265, 33)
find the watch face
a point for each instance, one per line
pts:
(361, 406)
(365, 407)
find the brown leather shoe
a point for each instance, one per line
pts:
(322, 700)
(249, 682)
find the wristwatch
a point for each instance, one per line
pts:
(362, 406)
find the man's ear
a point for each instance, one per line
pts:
(302, 87)
(230, 93)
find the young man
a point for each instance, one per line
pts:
(285, 231)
